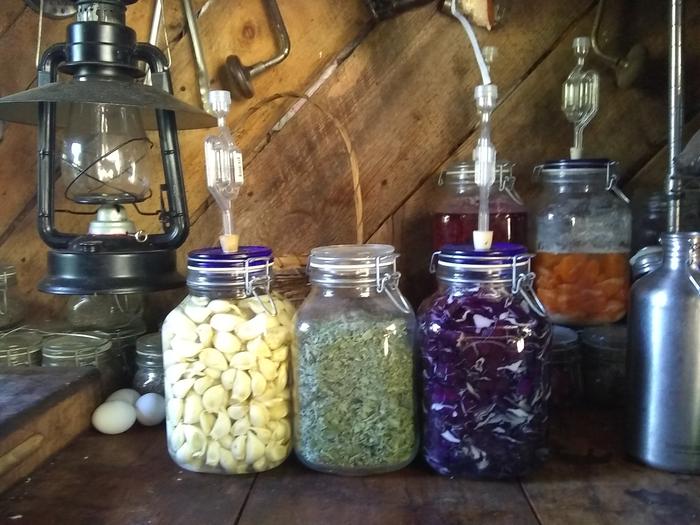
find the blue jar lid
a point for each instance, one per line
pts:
(573, 164)
(498, 249)
(212, 258)
(504, 262)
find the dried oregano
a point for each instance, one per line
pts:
(355, 394)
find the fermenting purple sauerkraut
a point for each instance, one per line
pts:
(485, 383)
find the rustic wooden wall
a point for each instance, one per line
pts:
(403, 91)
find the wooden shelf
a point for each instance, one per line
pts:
(130, 479)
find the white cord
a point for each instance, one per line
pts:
(483, 67)
(38, 36)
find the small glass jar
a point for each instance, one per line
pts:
(104, 312)
(604, 362)
(12, 308)
(20, 349)
(565, 368)
(582, 239)
(456, 209)
(225, 355)
(124, 344)
(76, 350)
(353, 364)
(149, 365)
(485, 343)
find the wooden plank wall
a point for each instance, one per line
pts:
(403, 91)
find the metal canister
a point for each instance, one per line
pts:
(663, 360)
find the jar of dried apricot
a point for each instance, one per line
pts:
(582, 230)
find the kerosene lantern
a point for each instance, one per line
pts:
(105, 110)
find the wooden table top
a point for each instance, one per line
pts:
(130, 479)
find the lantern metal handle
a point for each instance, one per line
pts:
(240, 76)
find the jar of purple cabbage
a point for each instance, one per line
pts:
(485, 340)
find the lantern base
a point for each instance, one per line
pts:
(77, 272)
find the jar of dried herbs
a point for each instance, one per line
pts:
(353, 364)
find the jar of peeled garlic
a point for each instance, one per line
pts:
(225, 356)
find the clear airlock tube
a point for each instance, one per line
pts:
(486, 97)
(224, 167)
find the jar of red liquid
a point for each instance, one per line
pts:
(456, 211)
(582, 230)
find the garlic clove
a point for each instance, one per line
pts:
(254, 448)
(202, 384)
(226, 441)
(228, 462)
(175, 372)
(277, 336)
(219, 306)
(260, 465)
(263, 434)
(205, 334)
(212, 358)
(213, 453)
(280, 355)
(196, 369)
(227, 378)
(276, 452)
(238, 447)
(174, 410)
(196, 438)
(282, 431)
(268, 368)
(226, 342)
(177, 438)
(182, 387)
(206, 422)
(214, 399)
(226, 322)
(243, 360)
(253, 328)
(237, 412)
(222, 427)
(259, 415)
(258, 347)
(197, 314)
(193, 408)
(241, 427)
(258, 384)
(281, 380)
(241, 387)
(185, 348)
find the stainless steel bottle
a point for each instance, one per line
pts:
(663, 360)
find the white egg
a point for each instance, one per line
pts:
(127, 395)
(150, 409)
(113, 417)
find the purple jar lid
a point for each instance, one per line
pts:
(211, 258)
(498, 249)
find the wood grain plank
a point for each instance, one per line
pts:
(528, 128)
(589, 481)
(41, 410)
(127, 478)
(404, 98)
(294, 495)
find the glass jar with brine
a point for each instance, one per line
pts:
(456, 210)
(582, 229)
(225, 355)
(353, 364)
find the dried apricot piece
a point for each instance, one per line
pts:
(569, 268)
(615, 264)
(611, 287)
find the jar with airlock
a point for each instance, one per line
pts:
(353, 364)
(225, 357)
(485, 341)
(582, 233)
(455, 214)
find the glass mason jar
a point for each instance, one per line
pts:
(565, 368)
(604, 361)
(12, 307)
(104, 312)
(485, 343)
(124, 344)
(354, 363)
(582, 239)
(456, 209)
(225, 355)
(76, 350)
(149, 365)
(20, 349)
